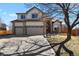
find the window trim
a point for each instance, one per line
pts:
(22, 16)
(34, 15)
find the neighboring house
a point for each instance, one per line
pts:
(2, 26)
(56, 26)
(35, 22)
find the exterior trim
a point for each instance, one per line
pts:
(17, 20)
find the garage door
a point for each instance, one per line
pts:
(34, 30)
(19, 31)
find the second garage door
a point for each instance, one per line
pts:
(34, 30)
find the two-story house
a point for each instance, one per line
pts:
(34, 22)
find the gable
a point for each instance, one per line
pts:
(57, 23)
(34, 11)
(28, 14)
(37, 9)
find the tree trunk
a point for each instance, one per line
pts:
(68, 36)
(58, 52)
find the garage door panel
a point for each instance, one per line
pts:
(34, 30)
(19, 31)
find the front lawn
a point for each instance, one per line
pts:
(73, 44)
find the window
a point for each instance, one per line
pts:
(22, 16)
(34, 15)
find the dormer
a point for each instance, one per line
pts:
(21, 16)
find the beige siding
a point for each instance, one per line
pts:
(18, 23)
(29, 14)
(34, 23)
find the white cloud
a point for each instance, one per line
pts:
(4, 13)
(12, 15)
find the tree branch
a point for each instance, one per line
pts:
(75, 21)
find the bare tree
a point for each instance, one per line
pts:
(70, 14)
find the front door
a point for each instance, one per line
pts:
(56, 29)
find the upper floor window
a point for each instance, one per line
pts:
(22, 16)
(34, 15)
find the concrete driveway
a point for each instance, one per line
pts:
(27, 46)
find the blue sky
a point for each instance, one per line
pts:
(8, 11)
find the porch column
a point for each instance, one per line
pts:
(13, 27)
(44, 27)
(24, 27)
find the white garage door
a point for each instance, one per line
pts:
(19, 31)
(34, 30)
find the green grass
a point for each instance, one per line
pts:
(73, 44)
